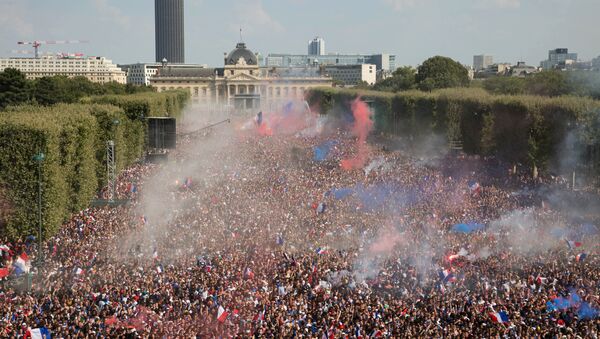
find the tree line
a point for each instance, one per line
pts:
(441, 72)
(16, 89)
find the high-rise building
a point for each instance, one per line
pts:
(481, 62)
(559, 58)
(316, 46)
(169, 35)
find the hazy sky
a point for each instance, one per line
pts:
(414, 30)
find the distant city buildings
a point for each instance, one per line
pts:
(140, 73)
(316, 46)
(351, 75)
(596, 63)
(96, 69)
(383, 62)
(559, 58)
(521, 69)
(481, 62)
(169, 31)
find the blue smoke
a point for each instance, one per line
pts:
(322, 151)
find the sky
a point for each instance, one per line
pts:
(413, 30)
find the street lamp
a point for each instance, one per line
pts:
(39, 158)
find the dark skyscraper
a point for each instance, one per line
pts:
(168, 27)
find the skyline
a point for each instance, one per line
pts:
(412, 30)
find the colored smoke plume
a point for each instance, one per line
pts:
(264, 129)
(361, 128)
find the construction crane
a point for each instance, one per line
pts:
(57, 54)
(36, 44)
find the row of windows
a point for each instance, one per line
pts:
(16, 62)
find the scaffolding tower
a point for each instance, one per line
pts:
(111, 170)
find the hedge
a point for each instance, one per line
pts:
(26, 132)
(527, 129)
(142, 105)
(73, 138)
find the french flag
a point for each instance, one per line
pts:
(321, 250)
(79, 271)
(38, 333)
(580, 257)
(447, 276)
(249, 274)
(499, 317)
(22, 263)
(132, 188)
(376, 334)
(474, 187)
(573, 244)
(222, 314)
(159, 269)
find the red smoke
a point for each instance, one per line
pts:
(264, 129)
(361, 128)
(292, 118)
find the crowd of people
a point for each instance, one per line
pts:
(248, 235)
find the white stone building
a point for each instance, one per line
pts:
(351, 75)
(241, 83)
(96, 69)
(140, 73)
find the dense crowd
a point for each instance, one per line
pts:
(248, 235)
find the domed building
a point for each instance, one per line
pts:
(241, 55)
(241, 84)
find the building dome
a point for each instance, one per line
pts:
(239, 52)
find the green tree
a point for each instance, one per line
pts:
(584, 83)
(14, 88)
(505, 85)
(81, 86)
(402, 79)
(441, 72)
(362, 85)
(548, 83)
(53, 90)
(114, 87)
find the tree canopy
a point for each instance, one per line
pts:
(441, 72)
(402, 79)
(14, 88)
(548, 83)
